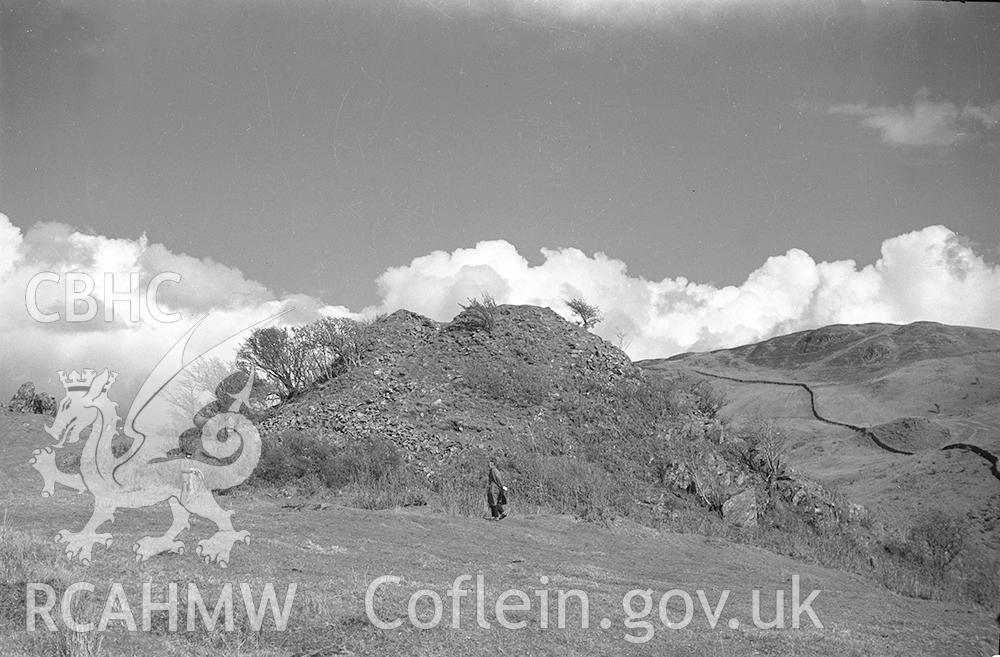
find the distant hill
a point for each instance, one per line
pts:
(928, 389)
(844, 352)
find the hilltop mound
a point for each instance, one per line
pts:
(432, 388)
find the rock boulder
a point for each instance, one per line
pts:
(740, 510)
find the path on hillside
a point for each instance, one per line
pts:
(989, 457)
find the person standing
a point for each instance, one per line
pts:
(496, 493)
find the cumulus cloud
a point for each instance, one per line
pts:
(34, 349)
(925, 122)
(930, 274)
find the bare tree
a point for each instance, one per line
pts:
(276, 352)
(333, 344)
(297, 357)
(590, 315)
(767, 449)
(623, 339)
(195, 387)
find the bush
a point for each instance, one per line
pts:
(335, 344)
(707, 398)
(297, 357)
(936, 539)
(291, 456)
(295, 456)
(478, 315)
(766, 449)
(567, 483)
(459, 487)
(398, 488)
(710, 490)
(538, 481)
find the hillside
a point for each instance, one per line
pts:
(333, 553)
(583, 434)
(926, 397)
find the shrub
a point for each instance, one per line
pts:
(291, 456)
(398, 488)
(710, 490)
(295, 456)
(766, 451)
(459, 486)
(370, 459)
(538, 481)
(459, 495)
(297, 357)
(478, 315)
(569, 484)
(707, 398)
(936, 539)
(334, 344)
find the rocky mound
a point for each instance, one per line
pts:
(435, 388)
(27, 400)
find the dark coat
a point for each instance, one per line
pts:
(495, 493)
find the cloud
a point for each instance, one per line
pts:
(924, 123)
(930, 274)
(627, 12)
(632, 13)
(35, 350)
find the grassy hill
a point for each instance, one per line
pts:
(919, 388)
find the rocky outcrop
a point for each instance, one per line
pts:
(741, 510)
(27, 400)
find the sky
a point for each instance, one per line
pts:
(709, 173)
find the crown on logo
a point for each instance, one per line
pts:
(83, 380)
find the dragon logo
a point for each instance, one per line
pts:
(144, 467)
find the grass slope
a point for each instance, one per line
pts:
(334, 553)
